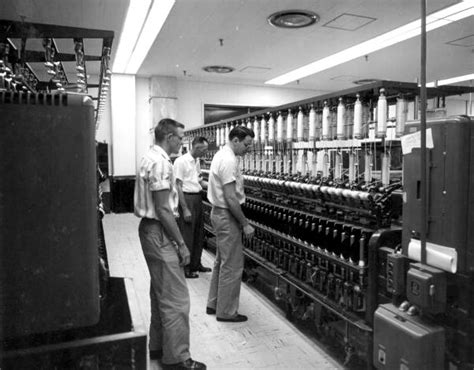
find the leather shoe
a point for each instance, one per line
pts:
(202, 268)
(210, 311)
(188, 364)
(191, 275)
(156, 354)
(238, 318)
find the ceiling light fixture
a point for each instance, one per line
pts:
(143, 22)
(365, 81)
(438, 19)
(218, 69)
(293, 19)
(136, 15)
(154, 22)
(451, 80)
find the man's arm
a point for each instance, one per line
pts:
(234, 207)
(182, 201)
(203, 183)
(164, 213)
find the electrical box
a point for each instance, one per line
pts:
(449, 188)
(406, 342)
(396, 273)
(426, 288)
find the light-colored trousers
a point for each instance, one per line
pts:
(169, 328)
(226, 278)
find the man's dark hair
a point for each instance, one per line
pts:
(241, 132)
(164, 127)
(199, 140)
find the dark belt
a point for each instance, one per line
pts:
(184, 192)
(155, 220)
(213, 206)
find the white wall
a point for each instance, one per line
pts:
(460, 105)
(193, 95)
(155, 99)
(143, 135)
(163, 98)
(123, 93)
(160, 97)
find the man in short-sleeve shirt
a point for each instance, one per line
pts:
(156, 202)
(189, 182)
(226, 194)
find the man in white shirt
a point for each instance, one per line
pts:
(156, 202)
(189, 182)
(226, 194)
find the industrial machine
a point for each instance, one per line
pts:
(332, 189)
(58, 307)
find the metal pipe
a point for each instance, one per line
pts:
(423, 133)
(161, 97)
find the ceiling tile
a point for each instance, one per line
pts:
(467, 41)
(349, 22)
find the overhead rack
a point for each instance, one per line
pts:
(18, 74)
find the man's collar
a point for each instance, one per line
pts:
(161, 151)
(229, 148)
(187, 156)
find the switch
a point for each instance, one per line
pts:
(397, 265)
(381, 356)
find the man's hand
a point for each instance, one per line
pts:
(187, 216)
(248, 231)
(183, 254)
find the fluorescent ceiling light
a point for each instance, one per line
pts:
(441, 18)
(155, 20)
(143, 22)
(136, 15)
(450, 81)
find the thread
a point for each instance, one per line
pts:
(271, 129)
(312, 124)
(299, 125)
(357, 118)
(325, 128)
(381, 129)
(341, 113)
(289, 126)
(280, 128)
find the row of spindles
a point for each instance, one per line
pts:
(15, 77)
(344, 122)
(277, 137)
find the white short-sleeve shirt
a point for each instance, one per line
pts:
(187, 169)
(224, 170)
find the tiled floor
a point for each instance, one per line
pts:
(266, 341)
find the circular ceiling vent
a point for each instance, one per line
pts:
(366, 81)
(218, 69)
(293, 18)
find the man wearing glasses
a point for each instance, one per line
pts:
(156, 202)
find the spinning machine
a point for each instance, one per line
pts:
(332, 189)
